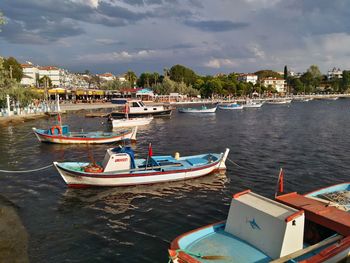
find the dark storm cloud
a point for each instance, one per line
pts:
(216, 25)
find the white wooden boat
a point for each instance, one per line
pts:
(61, 134)
(294, 228)
(138, 109)
(231, 106)
(130, 122)
(203, 109)
(279, 101)
(120, 168)
(252, 104)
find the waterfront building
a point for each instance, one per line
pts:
(248, 78)
(278, 84)
(57, 75)
(106, 76)
(335, 73)
(30, 75)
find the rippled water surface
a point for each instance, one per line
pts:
(310, 140)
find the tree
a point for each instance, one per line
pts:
(115, 84)
(285, 73)
(266, 73)
(45, 81)
(180, 73)
(14, 68)
(345, 81)
(131, 77)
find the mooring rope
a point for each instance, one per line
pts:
(242, 167)
(26, 171)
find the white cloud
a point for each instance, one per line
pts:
(219, 63)
(91, 3)
(123, 56)
(256, 50)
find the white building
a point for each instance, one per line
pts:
(30, 75)
(248, 78)
(278, 84)
(106, 76)
(56, 75)
(335, 73)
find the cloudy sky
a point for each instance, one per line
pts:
(209, 36)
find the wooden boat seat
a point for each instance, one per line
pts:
(319, 212)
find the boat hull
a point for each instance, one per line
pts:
(82, 179)
(238, 107)
(189, 110)
(160, 113)
(62, 139)
(116, 123)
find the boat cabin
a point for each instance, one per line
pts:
(119, 159)
(58, 130)
(137, 106)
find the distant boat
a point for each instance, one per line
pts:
(130, 122)
(61, 134)
(120, 168)
(294, 228)
(279, 101)
(203, 109)
(231, 106)
(252, 104)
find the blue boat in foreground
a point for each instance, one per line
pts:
(294, 228)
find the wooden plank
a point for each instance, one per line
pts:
(307, 250)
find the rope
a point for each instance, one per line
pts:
(26, 171)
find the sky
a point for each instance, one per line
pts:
(208, 36)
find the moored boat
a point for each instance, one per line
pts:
(279, 101)
(203, 109)
(61, 134)
(252, 104)
(120, 168)
(294, 228)
(231, 106)
(138, 109)
(130, 122)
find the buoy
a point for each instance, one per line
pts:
(177, 156)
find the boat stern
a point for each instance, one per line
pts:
(222, 165)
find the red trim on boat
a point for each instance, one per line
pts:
(62, 137)
(235, 196)
(329, 252)
(138, 174)
(293, 216)
(319, 212)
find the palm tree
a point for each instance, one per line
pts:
(131, 77)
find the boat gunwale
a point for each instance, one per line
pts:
(49, 136)
(123, 175)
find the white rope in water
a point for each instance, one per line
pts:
(26, 171)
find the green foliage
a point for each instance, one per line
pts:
(169, 86)
(115, 85)
(45, 81)
(285, 75)
(131, 77)
(262, 74)
(14, 69)
(148, 79)
(345, 81)
(179, 73)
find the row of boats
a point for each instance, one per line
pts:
(313, 227)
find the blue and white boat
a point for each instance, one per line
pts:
(231, 106)
(294, 228)
(120, 168)
(203, 109)
(61, 134)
